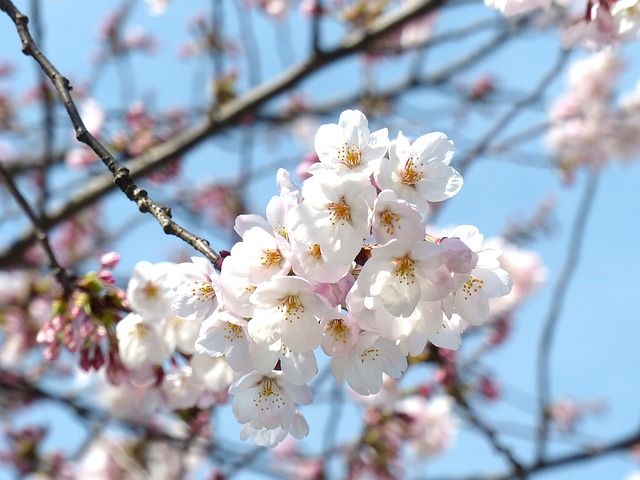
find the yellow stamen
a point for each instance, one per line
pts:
(350, 155)
(405, 270)
(472, 286)
(411, 174)
(339, 212)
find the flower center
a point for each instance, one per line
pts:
(389, 222)
(339, 212)
(314, 251)
(271, 258)
(472, 286)
(411, 175)
(405, 270)
(203, 291)
(338, 330)
(233, 332)
(291, 306)
(140, 331)
(268, 394)
(350, 155)
(369, 354)
(151, 290)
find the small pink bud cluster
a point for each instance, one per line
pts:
(85, 323)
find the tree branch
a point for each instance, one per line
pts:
(120, 173)
(61, 274)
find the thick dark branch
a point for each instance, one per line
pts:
(120, 173)
(229, 114)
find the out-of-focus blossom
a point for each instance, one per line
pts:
(566, 413)
(432, 428)
(157, 7)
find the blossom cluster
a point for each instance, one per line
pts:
(598, 23)
(587, 127)
(343, 264)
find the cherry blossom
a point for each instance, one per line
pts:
(288, 309)
(140, 342)
(267, 400)
(305, 277)
(349, 147)
(394, 218)
(149, 292)
(401, 273)
(370, 357)
(486, 280)
(270, 437)
(334, 215)
(197, 287)
(626, 14)
(419, 172)
(224, 333)
(432, 427)
(298, 367)
(261, 255)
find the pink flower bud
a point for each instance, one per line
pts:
(109, 260)
(107, 277)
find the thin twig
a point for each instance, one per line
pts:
(61, 274)
(555, 309)
(518, 471)
(488, 138)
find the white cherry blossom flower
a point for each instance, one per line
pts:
(429, 320)
(419, 172)
(278, 207)
(224, 333)
(626, 14)
(307, 262)
(197, 287)
(181, 389)
(470, 298)
(267, 400)
(261, 255)
(349, 147)
(297, 367)
(394, 218)
(140, 343)
(334, 214)
(287, 309)
(214, 373)
(432, 427)
(340, 334)
(369, 359)
(269, 438)
(401, 273)
(181, 334)
(372, 316)
(148, 291)
(236, 288)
